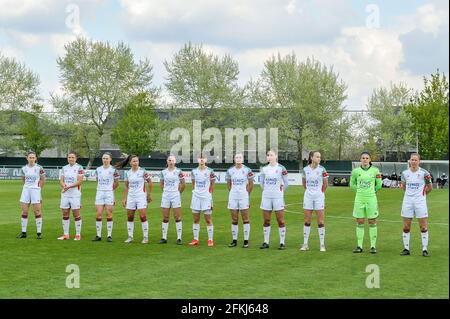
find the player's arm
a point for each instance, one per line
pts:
(116, 180)
(42, 177)
(193, 180)
(378, 182)
(262, 177)
(150, 184)
(61, 183)
(402, 182)
(228, 179)
(212, 177)
(304, 182)
(125, 193)
(284, 176)
(161, 181)
(250, 182)
(428, 184)
(23, 179)
(353, 181)
(182, 184)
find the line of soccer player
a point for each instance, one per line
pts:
(365, 181)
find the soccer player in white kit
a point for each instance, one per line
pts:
(274, 182)
(315, 182)
(136, 196)
(172, 183)
(240, 184)
(107, 182)
(70, 181)
(33, 179)
(203, 180)
(416, 182)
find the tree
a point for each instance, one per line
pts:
(32, 127)
(99, 79)
(429, 113)
(387, 107)
(135, 131)
(304, 98)
(19, 86)
(204, 81)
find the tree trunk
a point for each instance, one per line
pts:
(299, 149)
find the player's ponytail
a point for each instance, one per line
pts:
(310, 156)
(125, 162)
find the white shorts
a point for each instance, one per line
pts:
(31, 196)
(171, 200)
(316, 202)
(134, 203)
(70, 202)
(272, 204)
(105, 198)
(414, 206)
(238, 204)
(201, 205)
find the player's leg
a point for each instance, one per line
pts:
(281, 228)
(267, 214)
(209, 227)
(359, 213)
(307, 213)
(65, 222)
(24, 219)
(321, 228)
(195, 227)
(130, 224)
(373, 233)
(78, 222)
(144, 224)
(178, 224)
(98, 222)
(406, 235)
(246, 222)
(38, 219)
(109, 221)
(165, 225)
(423, 224)
(234, 227)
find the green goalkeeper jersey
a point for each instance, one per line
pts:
(365, 181)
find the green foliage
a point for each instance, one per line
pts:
(135, 131)
(429, 113)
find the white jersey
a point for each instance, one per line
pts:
(314, 179)
(136, 182)
(415, 182)
(202, 180)
(32, 176)
(239, 179)
(172, 179)
(273, 181)
(106, 178)
(70, 176)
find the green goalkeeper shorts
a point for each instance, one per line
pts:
(365, 208)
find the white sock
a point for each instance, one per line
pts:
(78, 227)
(322, 235)
(306, 231)
(210, 230)
(234, 231)
(66, 226)
(130, 226)
(39, 225)
(165, 227)
(145, 228)
(24, 224)
(98, 226)
(266, 234)
(109, 226)
(425, 240)
(179, 226)
(282, 231)
(246, 231)
(196, 230)
(406, 240)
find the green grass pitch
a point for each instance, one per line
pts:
(37, 269)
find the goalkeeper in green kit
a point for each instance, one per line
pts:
(365, 181)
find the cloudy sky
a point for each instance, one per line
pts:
(370, 43)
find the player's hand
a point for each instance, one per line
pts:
(65, 188)
(149, 198)
(124, 203)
